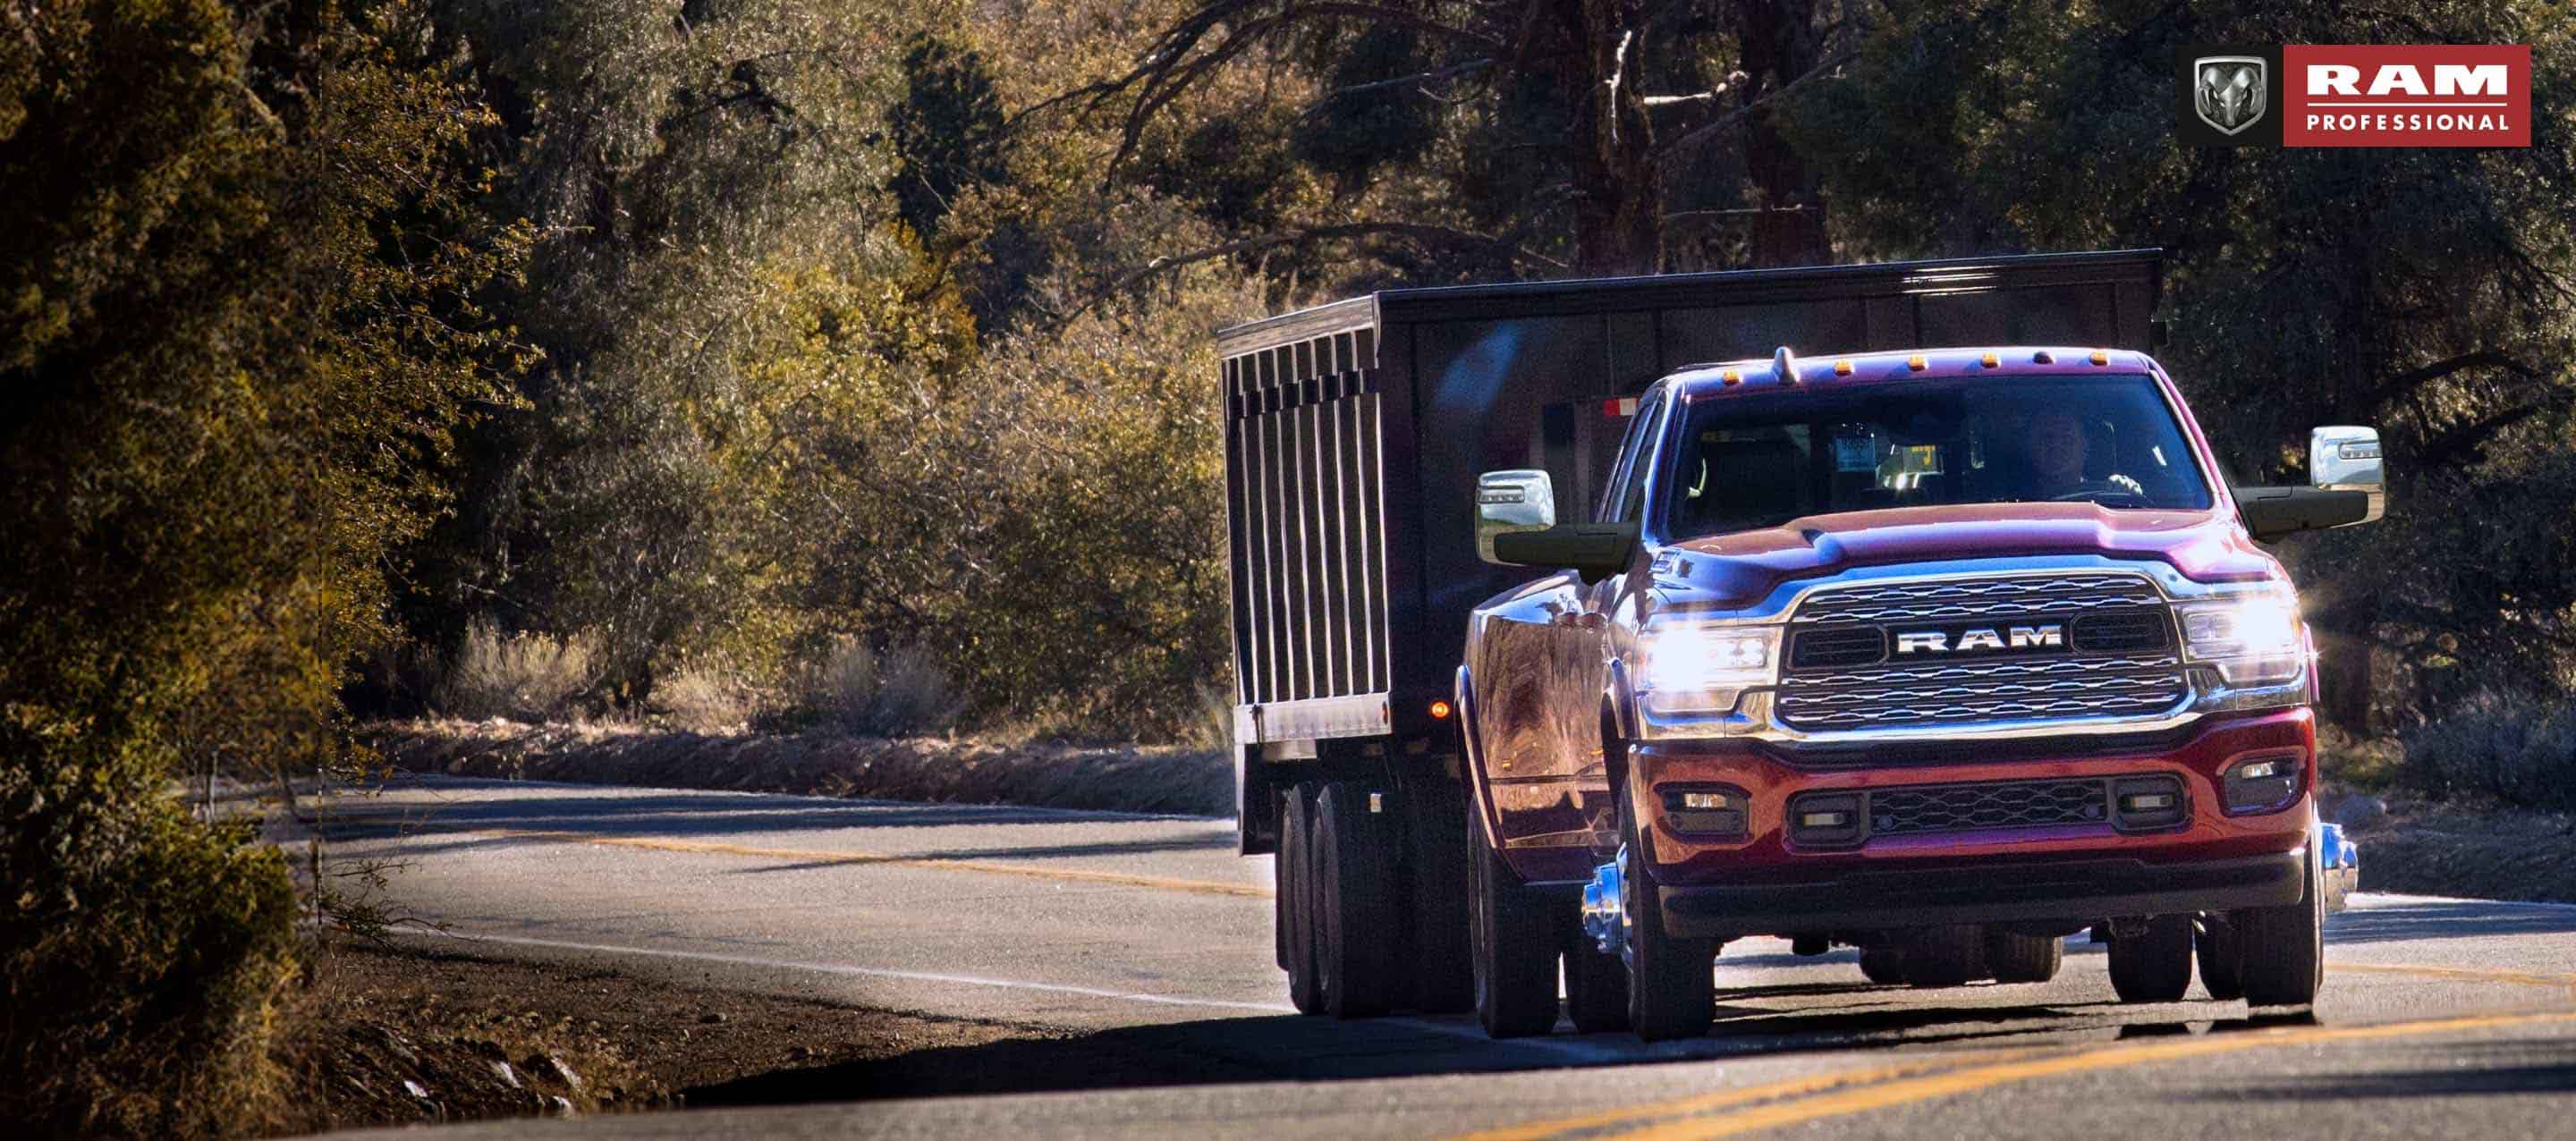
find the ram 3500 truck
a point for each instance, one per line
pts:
(1943, 653)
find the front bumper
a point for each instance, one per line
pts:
(2084, 890)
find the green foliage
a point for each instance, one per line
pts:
(947, 132)
(238, 323)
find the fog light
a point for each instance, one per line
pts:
(1826, 819)
(1716, 812)
(2265, 785)
(2141, 803)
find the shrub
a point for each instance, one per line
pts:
(895, 693)
(524, 676)
(706, 696)
(2518, 750)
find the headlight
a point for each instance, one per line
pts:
(2253, 639)
(1703, 669)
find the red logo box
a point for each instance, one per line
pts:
(2362, 95)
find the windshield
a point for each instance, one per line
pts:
(1751, 461)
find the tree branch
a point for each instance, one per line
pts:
(2409, 380)
(1691, 139)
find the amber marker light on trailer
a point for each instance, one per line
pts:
(1440, 711)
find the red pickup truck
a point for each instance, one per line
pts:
(1943, 654)
(1559, 657)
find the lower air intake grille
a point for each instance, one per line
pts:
(1973, 807)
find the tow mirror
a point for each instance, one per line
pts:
(1513, 502)
(2346, 486)
(1595, 550)
(2347, 459)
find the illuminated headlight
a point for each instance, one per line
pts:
(2253, 640)
(1703, 669)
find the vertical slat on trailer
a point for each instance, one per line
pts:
(1328, 552)
(1274, 493)
(1238, 528)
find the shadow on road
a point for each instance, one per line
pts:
(1288, 1048)
(2505, 1066)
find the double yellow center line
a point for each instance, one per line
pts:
(1730, 1113)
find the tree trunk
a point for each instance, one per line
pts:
(1619, 187)
(1779, 42)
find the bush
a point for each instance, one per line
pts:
(899, 692)
(524, 676)
(706, 696)
(2516, 749)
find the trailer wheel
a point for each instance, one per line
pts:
(1512, 942)
(1952, 954)
(1293, 908)
(1355, 884)
(2216, 946)
(1596, 986)
(2018, 958)
(2153, 965)
(1672, 984)
(2281, 951)
(1883, 965)
(1435, 869)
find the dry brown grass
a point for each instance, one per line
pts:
(1195, 781)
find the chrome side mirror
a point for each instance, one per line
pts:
(2347, 459)
(1509, 502)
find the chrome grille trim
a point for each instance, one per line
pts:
(1935, 693)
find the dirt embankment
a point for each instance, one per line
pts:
(2471, 852)
(1198, 782)
(399, 1035)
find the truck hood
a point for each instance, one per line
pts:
(1744, 566)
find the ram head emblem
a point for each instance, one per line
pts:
(2228, 90)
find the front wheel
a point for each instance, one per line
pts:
(1672, 984)
(2281, 952)
(1512, 944)
(2153, 962)
(2221, 960)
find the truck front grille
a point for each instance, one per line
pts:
(2096, 645)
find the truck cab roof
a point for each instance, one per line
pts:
(1786, 369)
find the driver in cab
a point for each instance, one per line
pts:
(2054, 449)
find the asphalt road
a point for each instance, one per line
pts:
(1151, 939)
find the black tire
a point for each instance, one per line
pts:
(1883, 965)
(2281, 951)
(1355, 884)
(1295, 905)
(1512, 942)
(2153, 965)
(1435, 872)
(1672, 980)
(2018, 958)
(1949, 955)
(1596, 986)
(2221, 960)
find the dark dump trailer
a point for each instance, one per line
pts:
(1355, 433)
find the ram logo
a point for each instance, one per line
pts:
(2043, 637)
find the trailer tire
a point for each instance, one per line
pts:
(1952, 954)
(1435, 870)
(1596, 986)
(2281, 950)
(2018, 958)
(1512, 944)
(1355, 852)
(2153, 965)
(2222, 965)
(1294, 907)
(1672, 980)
